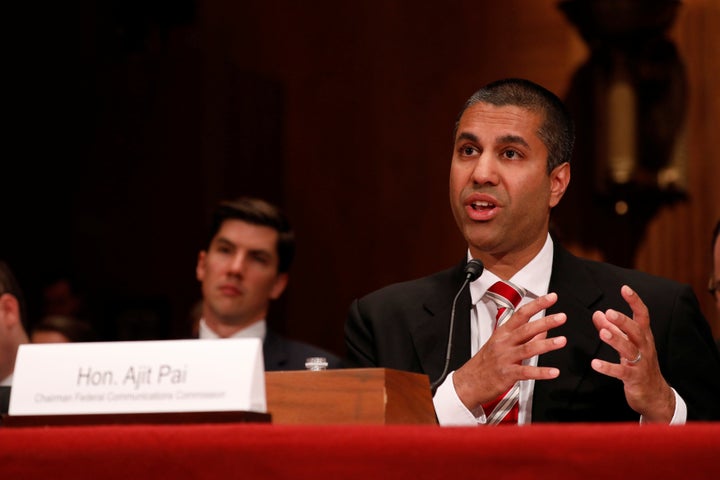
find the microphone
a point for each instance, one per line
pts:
(473, 270)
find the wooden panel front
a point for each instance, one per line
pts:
(350, 396)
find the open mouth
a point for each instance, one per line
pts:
(477, 205)
(481, 209)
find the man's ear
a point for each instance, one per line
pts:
(279, 287)
(559, 181)
(200, 267)
(9, 310)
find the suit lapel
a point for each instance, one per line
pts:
(578, 297)
(431, 327)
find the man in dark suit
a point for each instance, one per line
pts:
(13, 332)
(250, 248)
(588, 341)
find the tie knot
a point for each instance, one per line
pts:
(505, 294)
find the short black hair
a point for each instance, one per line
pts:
(557, 131)
(257, 212)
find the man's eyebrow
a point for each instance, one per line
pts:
(513, 139)
(517, 139)
(467, 136)
(224, 241)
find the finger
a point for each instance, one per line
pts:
(613, 336)
(601, 321)
(528, 372)
(526, 312)
(638, 307)
(629, 329)
(539, 328)
(606, 368)
(540, 346)
(624, 347)
(621, 371)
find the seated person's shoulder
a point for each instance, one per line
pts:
(415, 290)
(4, 399)
(292, 354)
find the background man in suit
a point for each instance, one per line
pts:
(582, 345)
(12, 331)
(249, 251)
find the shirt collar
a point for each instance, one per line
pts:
(255, 330)
(7, 381)
(533, 277)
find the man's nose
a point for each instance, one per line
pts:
(237, 264)
(485, 170)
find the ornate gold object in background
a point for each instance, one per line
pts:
(629, 102)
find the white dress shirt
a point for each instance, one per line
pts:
(255, 330)
(535, 279)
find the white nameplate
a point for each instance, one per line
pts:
(139, 377)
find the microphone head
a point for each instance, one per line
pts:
(473, 269)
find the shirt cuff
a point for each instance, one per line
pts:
(680, 414)
(450, 411)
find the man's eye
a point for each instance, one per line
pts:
(468, 150)
(510, 154)
(262, 259)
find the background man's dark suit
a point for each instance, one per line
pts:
(405, 326)
(284, 354)
(4, 399)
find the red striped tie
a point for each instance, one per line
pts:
(504, 409)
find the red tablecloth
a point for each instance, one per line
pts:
(364, 452)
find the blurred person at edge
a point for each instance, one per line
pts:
(13, 332)
(714, 286)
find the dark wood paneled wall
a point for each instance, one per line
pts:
(340, 111)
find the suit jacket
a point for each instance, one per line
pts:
(4, 399)
(281, 353)
(405, 326)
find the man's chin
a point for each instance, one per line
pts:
(479, 237)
